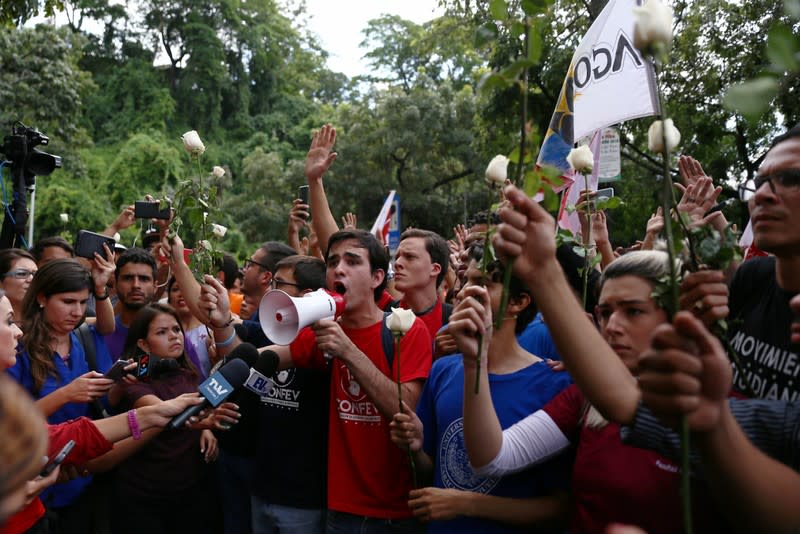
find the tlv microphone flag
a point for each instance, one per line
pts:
(215, 389)
(259, 381)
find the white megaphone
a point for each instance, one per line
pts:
(282, 317)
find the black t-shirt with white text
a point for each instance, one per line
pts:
(759, 324)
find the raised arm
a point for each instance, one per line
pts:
(688, 374)
(318, 160)
(125, 219)
(492, 451)
(527, 236)
(102, 271)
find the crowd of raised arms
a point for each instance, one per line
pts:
(559, 416)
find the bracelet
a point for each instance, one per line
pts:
(223, 344)
(104, 296)
(133, 424)
(227, 323)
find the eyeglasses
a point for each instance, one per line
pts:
(248, 263)
(275, 282)
(20, 274)
(787, 179)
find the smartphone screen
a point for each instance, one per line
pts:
(60, 457)
(302, 194)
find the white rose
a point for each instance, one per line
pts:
(117, 237)
(655, 139)
(192, 143)
(400, 321)
(205, 244)
(218, 230)
(581, 159)
(218, 171)
(652, 25)
(64, 218)
(496, 171)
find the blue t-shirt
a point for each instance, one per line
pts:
(61, 495)
(537, 340)
(515, 396)
(116, 339)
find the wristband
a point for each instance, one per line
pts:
(133, 424)
(104, 296)
(227, 323)
(223, 344)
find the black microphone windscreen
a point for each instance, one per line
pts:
(267, 363)
(235, 372)
(246, 352)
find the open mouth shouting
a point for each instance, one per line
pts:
(340, 288)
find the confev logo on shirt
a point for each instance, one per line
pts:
(352, 403)
(282, 395)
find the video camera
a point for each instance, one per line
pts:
(26, 163)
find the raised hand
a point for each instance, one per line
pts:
(102, 269)
(690, 170)
(698, 198)
(320, 156)
(349, 221)
(472, 317)
(686, 372)
(526, 234)
(214, 299)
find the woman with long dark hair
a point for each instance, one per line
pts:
(52, 363)
(167, 485)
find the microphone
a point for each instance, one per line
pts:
(215, 389)
(246, 352)
(258, 381)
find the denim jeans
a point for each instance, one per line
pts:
(235, 479)
(278, 519)
(344, 523)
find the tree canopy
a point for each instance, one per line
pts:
(253, 80)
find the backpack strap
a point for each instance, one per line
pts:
(391, 304)
(447, 309)
(87, 342)
(387, 340)
(97, 409)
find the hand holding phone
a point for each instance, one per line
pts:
(143, 209)
(59, 458)
(89, 242)
(118, 370)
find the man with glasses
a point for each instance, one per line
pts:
(258, 273)
(761, 288)
(286, 497)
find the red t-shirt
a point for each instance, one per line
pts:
(432, 318)
(367, 474)
(613, 482)
(89, 444)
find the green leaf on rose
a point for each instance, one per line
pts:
(498, 9)
(792, 8)
(782, 47)
(753, 97)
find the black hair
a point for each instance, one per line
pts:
(229, 268)
(572, 265)
(515, 289)
(791, 133)
(378, 259)
(273, 253)
(135, 255)
(309, 272)
(46, 242)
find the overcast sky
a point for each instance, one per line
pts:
(339, 24)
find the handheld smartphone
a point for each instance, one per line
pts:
(143, 209)
(89, 242)
(60, 457)
(605, 193)
(117, 371)
(302, 194)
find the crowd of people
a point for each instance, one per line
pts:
(558, 417)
